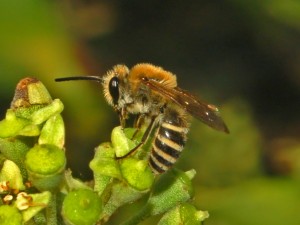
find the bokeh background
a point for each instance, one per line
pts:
(242, 55)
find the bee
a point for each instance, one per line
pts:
(153, 95)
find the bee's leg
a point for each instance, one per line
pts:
(122, 121)
(144, 138)
(140, 119)
(122, 117)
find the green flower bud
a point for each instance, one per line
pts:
(31, 106)
(183, 214)
(43, 114)
(30, 91)
(73, 183)
(129, 132)
(26, 112)
(82, 207)
(10, 172)
(30, 131)
(12, 125)
(104, 162)
(137, 173)
(121, 143)
(10, 215)
(45, 165)
(53, 132)
(105, 167)
(190, 215)
(32, 101)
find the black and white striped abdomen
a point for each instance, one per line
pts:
(168, 143)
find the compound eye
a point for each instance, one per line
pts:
(113, 88)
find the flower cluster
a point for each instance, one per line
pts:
(36, 188)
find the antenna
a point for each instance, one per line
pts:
(94, 78)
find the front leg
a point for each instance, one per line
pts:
(122, 117)
(139, 121)
(144, 138)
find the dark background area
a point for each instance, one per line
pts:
(243, 56)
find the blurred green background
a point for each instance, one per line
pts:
(241, 55)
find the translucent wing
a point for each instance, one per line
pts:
(207, 113)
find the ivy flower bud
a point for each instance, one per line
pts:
(104, 162)
(184, 214)
(53, 132)
(121, 143)
(137, 173)
(12, 125)
(30, 91)
(81, 207)
(105, 167)
(45, 165)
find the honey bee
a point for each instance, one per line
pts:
(152, 94)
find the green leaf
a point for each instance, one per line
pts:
(172, 188)
(15, 150)
(121, 194)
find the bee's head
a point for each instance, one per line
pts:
(114, 85)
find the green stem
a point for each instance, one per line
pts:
(51, 213)
(39, 219)
(143, 214)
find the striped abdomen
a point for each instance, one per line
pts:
(168, 143)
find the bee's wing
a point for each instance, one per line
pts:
(207, 113)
